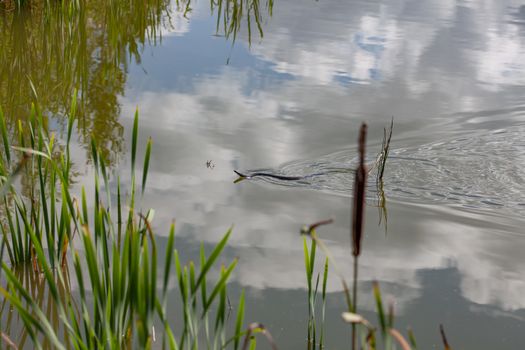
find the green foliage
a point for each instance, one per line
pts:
(363, 333)
(115, 267)
(309, 262)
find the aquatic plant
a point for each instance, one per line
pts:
(309, 263)
(111, 256)
(363, 332)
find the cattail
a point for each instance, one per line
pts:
(359, 195)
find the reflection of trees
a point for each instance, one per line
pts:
(232, 13)
(35, 285)
(49, 49)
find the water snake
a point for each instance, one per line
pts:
(275, 176)
(288, 178)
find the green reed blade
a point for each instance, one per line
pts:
(253, 343)
(85, 217)
(134, 139)
(180, 278)
(312, 257)
(412, 339)
(105, 177)
(91, 261)
(146, 165)
(72, 114)
(379, 307)
(390, 318)
(43, 204)
(323, 310)
(192, 282)
(239, 320)
(168, 259)
(203, 284)
(52, 210)
(307, 264)
(221, 310)
(21, 139)
(119, 213)
(211, 259)
(116, 285)
(153, 277)
(220, 284)
(94, 154)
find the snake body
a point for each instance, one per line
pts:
(278, 177)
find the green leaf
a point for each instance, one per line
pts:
(412, 339)
(169, 257)
(307, 264)
(379, 307)
(239, 321)
(220, 284)
(134, 139)
(211, 259)
(146, 165)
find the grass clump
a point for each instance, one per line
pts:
(111, 255)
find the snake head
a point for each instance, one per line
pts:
(240, 178)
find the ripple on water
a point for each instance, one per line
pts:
(482, 170)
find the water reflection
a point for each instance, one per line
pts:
(232, 13)
(293, 103)
(50, 50)
(452, 75)
(11, 322)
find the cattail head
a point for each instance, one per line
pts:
(359, 195)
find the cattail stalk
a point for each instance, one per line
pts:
(358, 216)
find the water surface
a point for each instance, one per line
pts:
(452, 75)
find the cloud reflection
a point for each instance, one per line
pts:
(423, 63)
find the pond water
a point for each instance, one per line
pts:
(288, 96)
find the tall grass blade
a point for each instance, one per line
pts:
(323, 310)
(134, 140)
(211, 259)
(239, 320)
(379, 308)
(220, 284)
(412, 339)
(146, 165)
(168, 261)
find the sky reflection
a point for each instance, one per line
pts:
(450, 73)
